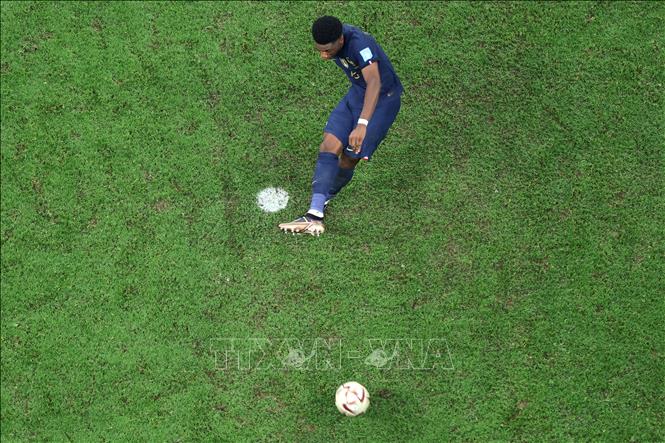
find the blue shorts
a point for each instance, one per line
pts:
(344, 117)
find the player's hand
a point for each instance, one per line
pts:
(357, 137)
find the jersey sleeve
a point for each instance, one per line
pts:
(365, 52)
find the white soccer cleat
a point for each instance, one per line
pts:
(304, 225)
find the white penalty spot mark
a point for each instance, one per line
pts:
(272, 199)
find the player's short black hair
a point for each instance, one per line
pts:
(326, 30)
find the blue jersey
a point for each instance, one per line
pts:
(360, 50)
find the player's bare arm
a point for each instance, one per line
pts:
(373, 79)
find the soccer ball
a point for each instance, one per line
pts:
(352, 399)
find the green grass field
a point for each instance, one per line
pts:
(514, 217)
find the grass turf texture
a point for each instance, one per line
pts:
(515, 210)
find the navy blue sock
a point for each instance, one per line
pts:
(324, 174)
(344, 176)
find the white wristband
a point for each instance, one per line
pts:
(362, 121)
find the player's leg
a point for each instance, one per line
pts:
(335, 137)
(325, 172)
(347, 166)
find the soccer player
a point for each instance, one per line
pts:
(360, 121)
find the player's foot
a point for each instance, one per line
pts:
(304, 225)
